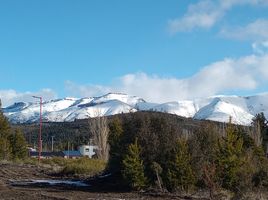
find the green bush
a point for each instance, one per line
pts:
(83, 166)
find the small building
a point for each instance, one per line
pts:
(83, 150)
(88, 150)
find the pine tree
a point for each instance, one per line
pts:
(180, 174)
(18, 145)
(115, 142)
(4, 134)
(4, 125)
(5, 149)
(230, 158)
(133, 169)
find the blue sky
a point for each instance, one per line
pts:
(159, 50)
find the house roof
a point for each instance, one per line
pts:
(72, 153)
(47, 154)
(56, 154)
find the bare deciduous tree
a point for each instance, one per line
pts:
(100, 132)
(209, 178)
(255, 133)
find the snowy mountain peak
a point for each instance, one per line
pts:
(16, 107)
(131, 100)
(217, 108)
(221, 110)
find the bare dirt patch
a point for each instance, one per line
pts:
(99, 189)
(10, 173)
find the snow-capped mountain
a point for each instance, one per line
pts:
(69, 109)
(217, 108)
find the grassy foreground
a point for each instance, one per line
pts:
(81, 166)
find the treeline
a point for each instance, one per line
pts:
(64, 134)
(73, 134)
(12, 142)
(148, 150)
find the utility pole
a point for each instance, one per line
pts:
(52, 143)
(68, 149)
(40, 130)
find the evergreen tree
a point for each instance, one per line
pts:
(230, 158)
(180, 174)
(18, 145)
(4, 125)
(4, 134)
(133, 169)
(5, 149)
(115, 138)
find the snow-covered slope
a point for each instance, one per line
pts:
(217, 108)
(221, 110)
(182, 108)
(241, 109)
(69, 109)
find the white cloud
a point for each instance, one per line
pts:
(9, 97)
(74, 89)
(260, 47)
(246, 73)
(254, 31)
(206, 13)
(203, 14)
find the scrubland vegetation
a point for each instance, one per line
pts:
(71, 167)
(85, 166)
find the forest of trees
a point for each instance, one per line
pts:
(151, 150)
(12, 142)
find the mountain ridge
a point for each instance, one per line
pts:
(215, 108)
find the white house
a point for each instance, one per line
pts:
(87, 150)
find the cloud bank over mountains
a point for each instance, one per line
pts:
(11, 96)
(245, 73)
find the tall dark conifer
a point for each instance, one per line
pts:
(4, 134)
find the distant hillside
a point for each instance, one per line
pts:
(77, 132)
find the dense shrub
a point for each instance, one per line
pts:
(83, 166)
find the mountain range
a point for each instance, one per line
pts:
(216, 108)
